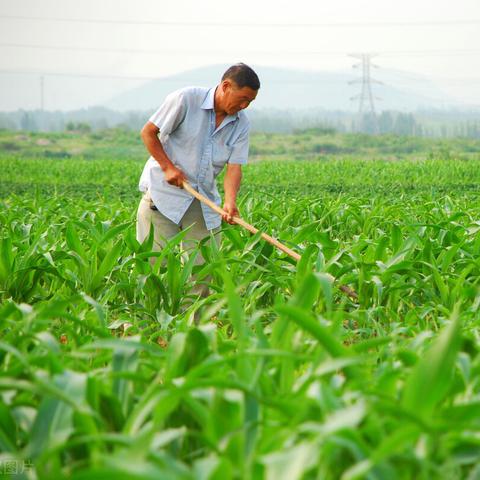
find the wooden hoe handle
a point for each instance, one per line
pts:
(351, 293)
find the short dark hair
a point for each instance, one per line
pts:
(243, 76)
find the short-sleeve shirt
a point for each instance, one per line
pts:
(186, 122)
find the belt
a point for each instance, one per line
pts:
(148, 198)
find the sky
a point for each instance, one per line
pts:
(103, 46)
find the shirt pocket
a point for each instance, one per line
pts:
(221, 154)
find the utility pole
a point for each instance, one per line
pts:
(366, 106)
(42, 93)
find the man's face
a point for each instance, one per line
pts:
(236, 98)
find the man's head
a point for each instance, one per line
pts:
(239, 87)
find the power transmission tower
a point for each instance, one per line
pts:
(366, 107)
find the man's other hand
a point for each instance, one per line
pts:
(174, 176)
(231, 211)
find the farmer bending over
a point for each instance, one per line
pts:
(191, 137)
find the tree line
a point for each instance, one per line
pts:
(430, 123)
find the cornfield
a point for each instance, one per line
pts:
(105, 374)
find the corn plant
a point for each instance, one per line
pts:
(112, 368)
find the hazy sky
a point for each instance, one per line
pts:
(439, 39)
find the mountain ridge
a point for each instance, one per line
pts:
(284, 88)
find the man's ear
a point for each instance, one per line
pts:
(227, 83)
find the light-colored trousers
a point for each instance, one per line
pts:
(164, 229)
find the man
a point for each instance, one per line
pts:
(192, 136)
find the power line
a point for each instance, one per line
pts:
(443, 81)
(161, 79)
(80, 75)
(391, 53)
(158, 51)
(435, 52)
(431, 23)
(44, 73)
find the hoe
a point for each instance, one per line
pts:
(347, 290)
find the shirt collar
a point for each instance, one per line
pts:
(209, 103)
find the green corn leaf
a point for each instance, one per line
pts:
(73, 241)
(431, 377)
(310, 324)
(105, 268)
(53, 422)
(6, 259)
(124, 360)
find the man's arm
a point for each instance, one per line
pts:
(149, 135)
(231, 185)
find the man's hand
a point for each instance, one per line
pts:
(174, 176)
(231, 184)
(231, 210)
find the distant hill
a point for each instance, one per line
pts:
(297, 89)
